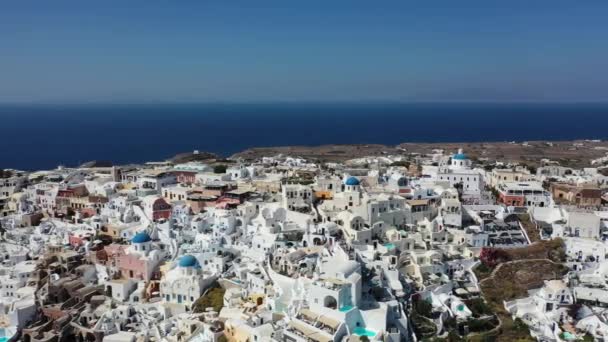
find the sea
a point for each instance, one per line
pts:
(34, 137)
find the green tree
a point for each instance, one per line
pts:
(423, 308)
(479, 307)
(220, 168)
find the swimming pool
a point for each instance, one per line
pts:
(390, 245)
(346, 308)
(359, 331)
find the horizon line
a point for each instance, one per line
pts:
(297, 102)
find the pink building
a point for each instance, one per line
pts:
(138, 261)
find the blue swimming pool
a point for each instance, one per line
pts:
(346, 308)
(390, 245)
(3, 338)
(359, 331)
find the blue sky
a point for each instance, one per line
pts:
(198, 51)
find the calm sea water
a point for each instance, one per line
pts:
(38, 137)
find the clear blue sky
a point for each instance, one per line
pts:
(256, 50)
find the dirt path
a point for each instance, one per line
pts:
(500, 266)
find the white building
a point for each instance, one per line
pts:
(156, 180)
(185, 283)
(297, 197)
(524, 194)
(457, 171)
(239, 172)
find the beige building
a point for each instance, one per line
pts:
(582, 196)
(501, 176)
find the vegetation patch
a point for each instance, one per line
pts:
(512, 281)
(298, 180)
(422, 311)
(482, 324)
(547, 249)
(482, 271)
(530, 227)
(478, 307)
(220, 168)
(508, 274)
(213, 298)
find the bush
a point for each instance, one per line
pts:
(493, 256)
(403, 163)
(423, 308)
(214, 298)
(297, 180)
(454, 337)
(519, 325)
(482, 271)
(423, 327)
(479, 307)
(479, 325)
(220, 168)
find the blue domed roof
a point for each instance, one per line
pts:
(460, 156)
(141, 238)
(402, 181)
(351, 181)
(188, 261)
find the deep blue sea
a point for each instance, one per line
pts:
(44, 136)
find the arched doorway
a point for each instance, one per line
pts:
(330, 302)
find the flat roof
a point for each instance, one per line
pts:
(418, 202)
(309, 332)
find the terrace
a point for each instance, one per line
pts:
(308, 332)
